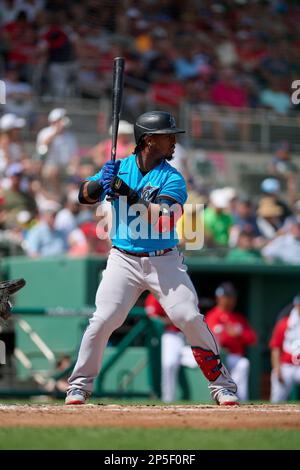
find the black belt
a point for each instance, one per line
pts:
(145, 254)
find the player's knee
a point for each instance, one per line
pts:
(184, 315)
(192, 321)
(108, 319)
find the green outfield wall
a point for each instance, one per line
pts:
(264, 289)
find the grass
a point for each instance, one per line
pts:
(92, 438)
(146, 439)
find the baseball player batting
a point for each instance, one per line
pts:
(152, 262)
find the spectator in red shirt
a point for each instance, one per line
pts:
(251, 50)
(234, 334)
(285, 353)
(15, 30)
(231, 95)
(174, 350)
(57, 44)
(228, 92)
(166, 92)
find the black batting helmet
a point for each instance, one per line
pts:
(155, 122)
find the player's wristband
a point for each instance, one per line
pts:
(90, 192)
(120, 188)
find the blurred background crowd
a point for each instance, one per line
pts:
(229, 53)
(223, 55)
(223, 68)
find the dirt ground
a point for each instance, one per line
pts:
(153, 416)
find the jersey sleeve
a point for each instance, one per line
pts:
(175, 188)
(215, 325)
(96, 177)
(249, 335)
(212, 320)
(277, 337)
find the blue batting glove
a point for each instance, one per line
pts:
(109, 170)
(111, 167)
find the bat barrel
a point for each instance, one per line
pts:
(118, 79)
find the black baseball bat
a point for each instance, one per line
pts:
(117, 92)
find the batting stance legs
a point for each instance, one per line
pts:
(124, 279)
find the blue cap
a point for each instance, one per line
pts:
(226, 289)
(270, 185)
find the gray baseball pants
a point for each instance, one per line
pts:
(124, 280)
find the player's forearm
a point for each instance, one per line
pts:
(275, 358)
(163, 215)
(90, 192)
(120, 188)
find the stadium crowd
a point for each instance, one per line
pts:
(230, 54)
(40, 211)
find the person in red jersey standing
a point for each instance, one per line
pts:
(233, 334)
(285, 353)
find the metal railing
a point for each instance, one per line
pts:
(207, 126)
(248, 130)
(150, 330)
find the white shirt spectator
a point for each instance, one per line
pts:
(65, 221)
(15, 152)
(66, 218)
(11, 149)
(284, 248)
(44, 241)
(62, 148)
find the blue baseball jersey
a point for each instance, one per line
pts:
(129, 230)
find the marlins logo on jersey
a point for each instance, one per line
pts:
(149, 193)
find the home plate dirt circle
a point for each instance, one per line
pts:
(153, 416)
